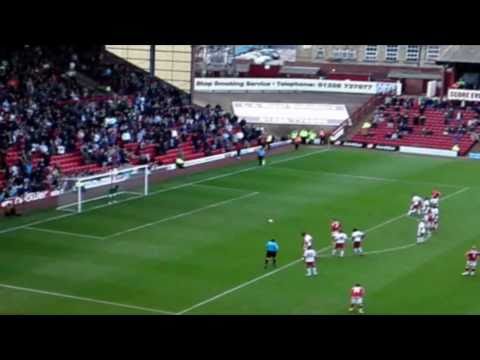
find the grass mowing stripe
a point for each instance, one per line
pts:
(85, 299)
(221, 176)
(241, 286)
(64, 233)
(191, 212)
(158, 192)
(254, 280)
(362, 177)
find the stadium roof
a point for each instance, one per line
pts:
(461, 54)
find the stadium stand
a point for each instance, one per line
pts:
(438, 125)
(68, 111)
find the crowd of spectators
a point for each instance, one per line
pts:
(401, 122)
(46, 110)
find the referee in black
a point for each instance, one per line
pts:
(272, 250)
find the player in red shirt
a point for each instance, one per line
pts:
(472, 256)
(335, 228)
(435, 198)
(356, 298)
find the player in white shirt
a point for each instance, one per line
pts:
(310, 257)
(426, 207)
(421, 232)
(340, 240)
(429, 219)
(415, 206)
(307, 241)
(436, 217)
(435, 200)
(357, 240)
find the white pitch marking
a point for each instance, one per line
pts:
(63, 233)
(236, 172)
(74, 205)
(85, 299)
(157, 192)
(241, 286)
(208, 186)
(220, 203)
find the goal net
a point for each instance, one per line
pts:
(96, 191)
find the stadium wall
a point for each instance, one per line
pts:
(173, 63)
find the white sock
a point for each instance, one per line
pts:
(360, 250)
(314, 271)
(334, 252)
(309, 271)
(342, 253)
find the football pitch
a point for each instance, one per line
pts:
(196, 245)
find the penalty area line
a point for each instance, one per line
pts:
(85, 299)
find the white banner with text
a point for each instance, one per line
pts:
(280, 84)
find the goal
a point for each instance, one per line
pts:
(100, 190)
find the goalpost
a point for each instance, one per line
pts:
(103, 189)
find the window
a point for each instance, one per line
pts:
(433, 52)
(344, 54)
(320, 54)
(413, 53)
(391, 53)
(371, 52)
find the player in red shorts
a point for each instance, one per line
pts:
(357, 240)
(340, 242)
(310, 257)
(335, 228)
(356, 298)
(429, 220)
(472, 256)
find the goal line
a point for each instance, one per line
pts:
(103, 189)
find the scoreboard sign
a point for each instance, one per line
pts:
(464, 95)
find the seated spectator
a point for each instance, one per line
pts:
(422, 120)
(11, 210)
(472, 124)
(421, 110)
(416, 120)
(396, 135)
(446, 118)
(427, 132)
(365, 128)
(456, 148)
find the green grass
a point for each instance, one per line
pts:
(205, 241)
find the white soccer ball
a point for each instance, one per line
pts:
(270, 220)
